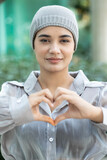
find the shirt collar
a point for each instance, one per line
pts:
(31, 85)
(80, 81)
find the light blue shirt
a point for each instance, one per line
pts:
(22, 138)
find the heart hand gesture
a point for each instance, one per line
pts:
(78, 107)
(35, 99)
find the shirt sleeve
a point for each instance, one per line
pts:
(13, 111)
(103, 105)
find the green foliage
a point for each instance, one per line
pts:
(94, 71)
(16, 67)
(82, 6)
(84, 45)
(81, 9)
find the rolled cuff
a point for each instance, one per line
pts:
(20, 110)
(104, 115)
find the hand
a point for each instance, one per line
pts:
(35, 99)
(78, 107)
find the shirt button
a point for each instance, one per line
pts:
(51, 139)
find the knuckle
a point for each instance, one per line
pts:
(46, 90)
(74, 93)
(43, 99)
(63, 96)
(59, 88)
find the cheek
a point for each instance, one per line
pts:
(40, 55)
(69, 56)
(41, 50)
(69, 52)
(38, 51)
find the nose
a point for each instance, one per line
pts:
(54, 48)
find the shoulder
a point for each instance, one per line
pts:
(97, 87)
(13, 84)
(95, 84)
(10, 87)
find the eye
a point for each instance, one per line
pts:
(64, 40)
(44, 40)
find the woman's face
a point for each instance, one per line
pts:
(54, 47)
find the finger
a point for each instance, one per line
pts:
(49, 95)
(47, 119)
(46, 100)
(40, 117)
(61, 98)
(61, 91)
(37, 100)
(60, 118)
(46, 93)
(58, 92)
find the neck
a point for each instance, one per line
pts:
(52, 80)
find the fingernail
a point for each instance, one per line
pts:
(53, 124)
(52, 105)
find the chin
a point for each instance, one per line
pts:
(55, 70)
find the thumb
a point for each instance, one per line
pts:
(60, 118)
(47, 119)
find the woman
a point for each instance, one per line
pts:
(54, 114)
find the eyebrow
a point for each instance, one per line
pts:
(65, 35)
(62, 36)
(44, 35)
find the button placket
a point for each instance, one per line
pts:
(51, 139)
(51, 142)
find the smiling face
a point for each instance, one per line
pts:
(54, 47)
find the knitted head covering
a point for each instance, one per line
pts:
(54, 15)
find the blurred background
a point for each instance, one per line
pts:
(17, 58)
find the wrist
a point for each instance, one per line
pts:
(96, 115)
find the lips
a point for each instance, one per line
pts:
(54, 60)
